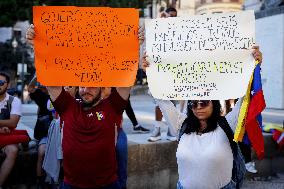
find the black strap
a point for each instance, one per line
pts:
(230, 134)
(9, 104)
(182, 129)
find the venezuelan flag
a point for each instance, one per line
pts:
(250, 120)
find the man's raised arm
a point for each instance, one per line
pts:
(54, 92)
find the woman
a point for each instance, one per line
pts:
(204, 155)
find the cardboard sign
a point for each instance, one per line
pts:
(83, 46)
(205, 57)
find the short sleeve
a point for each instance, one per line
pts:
(118, 103)
(63, 102)
(16, 107)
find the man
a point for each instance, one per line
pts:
(88, 133)
(156, 133)
(9, 118)
(40, 96)
(169, 12)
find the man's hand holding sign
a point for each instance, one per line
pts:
(91, 48)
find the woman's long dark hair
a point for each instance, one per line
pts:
(192, 123)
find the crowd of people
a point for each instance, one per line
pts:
(84, 124)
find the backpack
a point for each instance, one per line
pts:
(42, 126)
(5, 112)
(239, 169)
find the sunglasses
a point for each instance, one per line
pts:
(2, 82)
(194, 103)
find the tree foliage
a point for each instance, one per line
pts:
(110, 3)
(9, 59)
(15, 10)
(21, 10)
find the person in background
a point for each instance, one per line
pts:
(169, 12)
(40, 96)
(156, 133)
(131, 115)
(9, 118)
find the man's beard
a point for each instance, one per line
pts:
(3, 91)
(93, 102)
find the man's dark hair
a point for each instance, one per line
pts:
(6, 75)
(171, 9)
(192, 123)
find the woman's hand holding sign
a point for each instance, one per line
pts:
(257, 54)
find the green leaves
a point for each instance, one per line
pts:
(13, 11)
(20, 10)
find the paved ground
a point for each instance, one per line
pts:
(144, 110)
(273, 182)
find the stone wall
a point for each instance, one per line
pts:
(152, 165)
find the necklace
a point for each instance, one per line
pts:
(201, 130)
(199, 133)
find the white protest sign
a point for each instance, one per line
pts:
(200, 57)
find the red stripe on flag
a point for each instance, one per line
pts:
(254, 133)
(256, 106)
(253, 130)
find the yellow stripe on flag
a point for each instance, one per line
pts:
(240, 129)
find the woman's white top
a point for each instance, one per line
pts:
(204, 161)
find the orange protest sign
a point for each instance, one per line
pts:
(86, 46)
